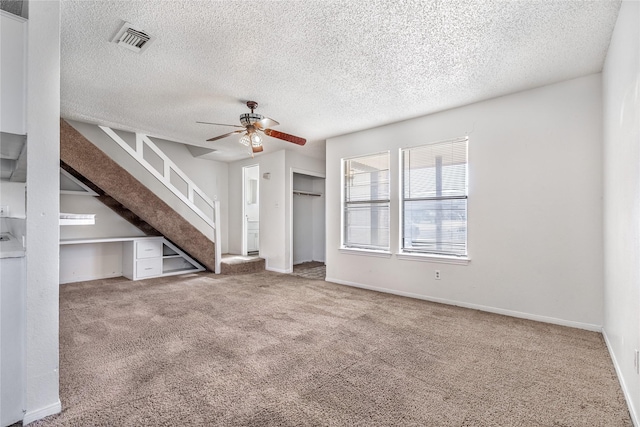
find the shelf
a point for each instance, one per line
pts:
(171, 256)
(306, 193)
(179, 271)
(77, 219)
(104, 240)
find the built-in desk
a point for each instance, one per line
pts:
(146, 257)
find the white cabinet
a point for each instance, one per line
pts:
(12, 309)
(146, 257)
(148, 248)
(13, 73)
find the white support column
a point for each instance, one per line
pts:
(43, 206)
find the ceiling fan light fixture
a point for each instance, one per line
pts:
(251, 140)
(248, 119)
(254, 126)
(245, 140)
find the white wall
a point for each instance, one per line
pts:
(43, 176)
(534, 209)
(272, 208)
(275, 204)
(621, 95)
(90, 261)
(108, 223)
(12, 194)
(95, 260)
(319, 221)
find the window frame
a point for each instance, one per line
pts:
(345, 246)
(430, 255)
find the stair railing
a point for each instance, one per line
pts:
(208, 210)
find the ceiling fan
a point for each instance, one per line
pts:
(253, 125)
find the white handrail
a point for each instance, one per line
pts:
(211, 216)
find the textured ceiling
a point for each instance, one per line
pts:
(320, 67)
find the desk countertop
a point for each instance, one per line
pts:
(11, 248)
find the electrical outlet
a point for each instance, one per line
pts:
(437, 274)
(4, 211)
(636, 361)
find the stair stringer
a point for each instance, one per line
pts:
(97, 167)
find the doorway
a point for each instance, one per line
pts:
(250, 210)
(307, 218)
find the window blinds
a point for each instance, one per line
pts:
(434, 198)
(366, 202)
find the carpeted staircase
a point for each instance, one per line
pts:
(129, 197)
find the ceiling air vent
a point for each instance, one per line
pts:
(132, 38)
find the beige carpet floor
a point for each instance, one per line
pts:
(270, 349)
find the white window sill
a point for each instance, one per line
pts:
(365, 252)
(444, 259)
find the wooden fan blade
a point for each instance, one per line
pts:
(225, 135)
(220, 124)
(285, 136)
(266, 122)
(257, 149)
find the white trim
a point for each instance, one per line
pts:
(518, 314)
(443, 141)
(38, 414)
(217, 236)
(307, 172)
(635, 416)
(14, 17)
(365, 252)
(244, 250)
(279, 270)
(443, 259)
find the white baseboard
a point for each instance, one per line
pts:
(38, 414)
(522, 315)
(88, 277)
(635, 417)
(279, 270)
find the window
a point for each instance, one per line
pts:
(366, 202)
(434, 198)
